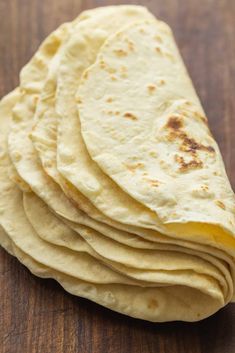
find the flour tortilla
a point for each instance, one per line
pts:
(72, 157)
(131, 301)
(73, 160)
(205, 233)
(146, 265)
(159, 149)
(77, 264)
(29, 167)
(108, 247)
(27, 164)
(138, 277)
(156, 237)
(45, 260)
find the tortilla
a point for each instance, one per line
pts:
(129, 259)
(146, 265)
(44, 134)
(68, 268)
(140, 148)
(27, 164)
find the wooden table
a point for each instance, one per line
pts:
(37, 316)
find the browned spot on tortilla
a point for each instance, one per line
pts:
(191, 145)
(220, 204)
(120, 52)
(79, 101)
(117, 113)
(113, 78)
(185, 166)
(134, 167)
(188, 144)
(162, 82)
(158, 50)
(158, 38)
(153, 304)
(142, 31)
(130, 116)
(151, 88)
(205, 187)
(175, 123)
(109, 100)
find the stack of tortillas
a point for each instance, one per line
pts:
(110, 180)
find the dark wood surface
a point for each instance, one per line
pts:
(37, 316)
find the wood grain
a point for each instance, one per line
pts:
(37, 316)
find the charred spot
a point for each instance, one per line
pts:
(130, 116)
(191, 145)
(175, 123)
(185, 166)
(208, 149)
